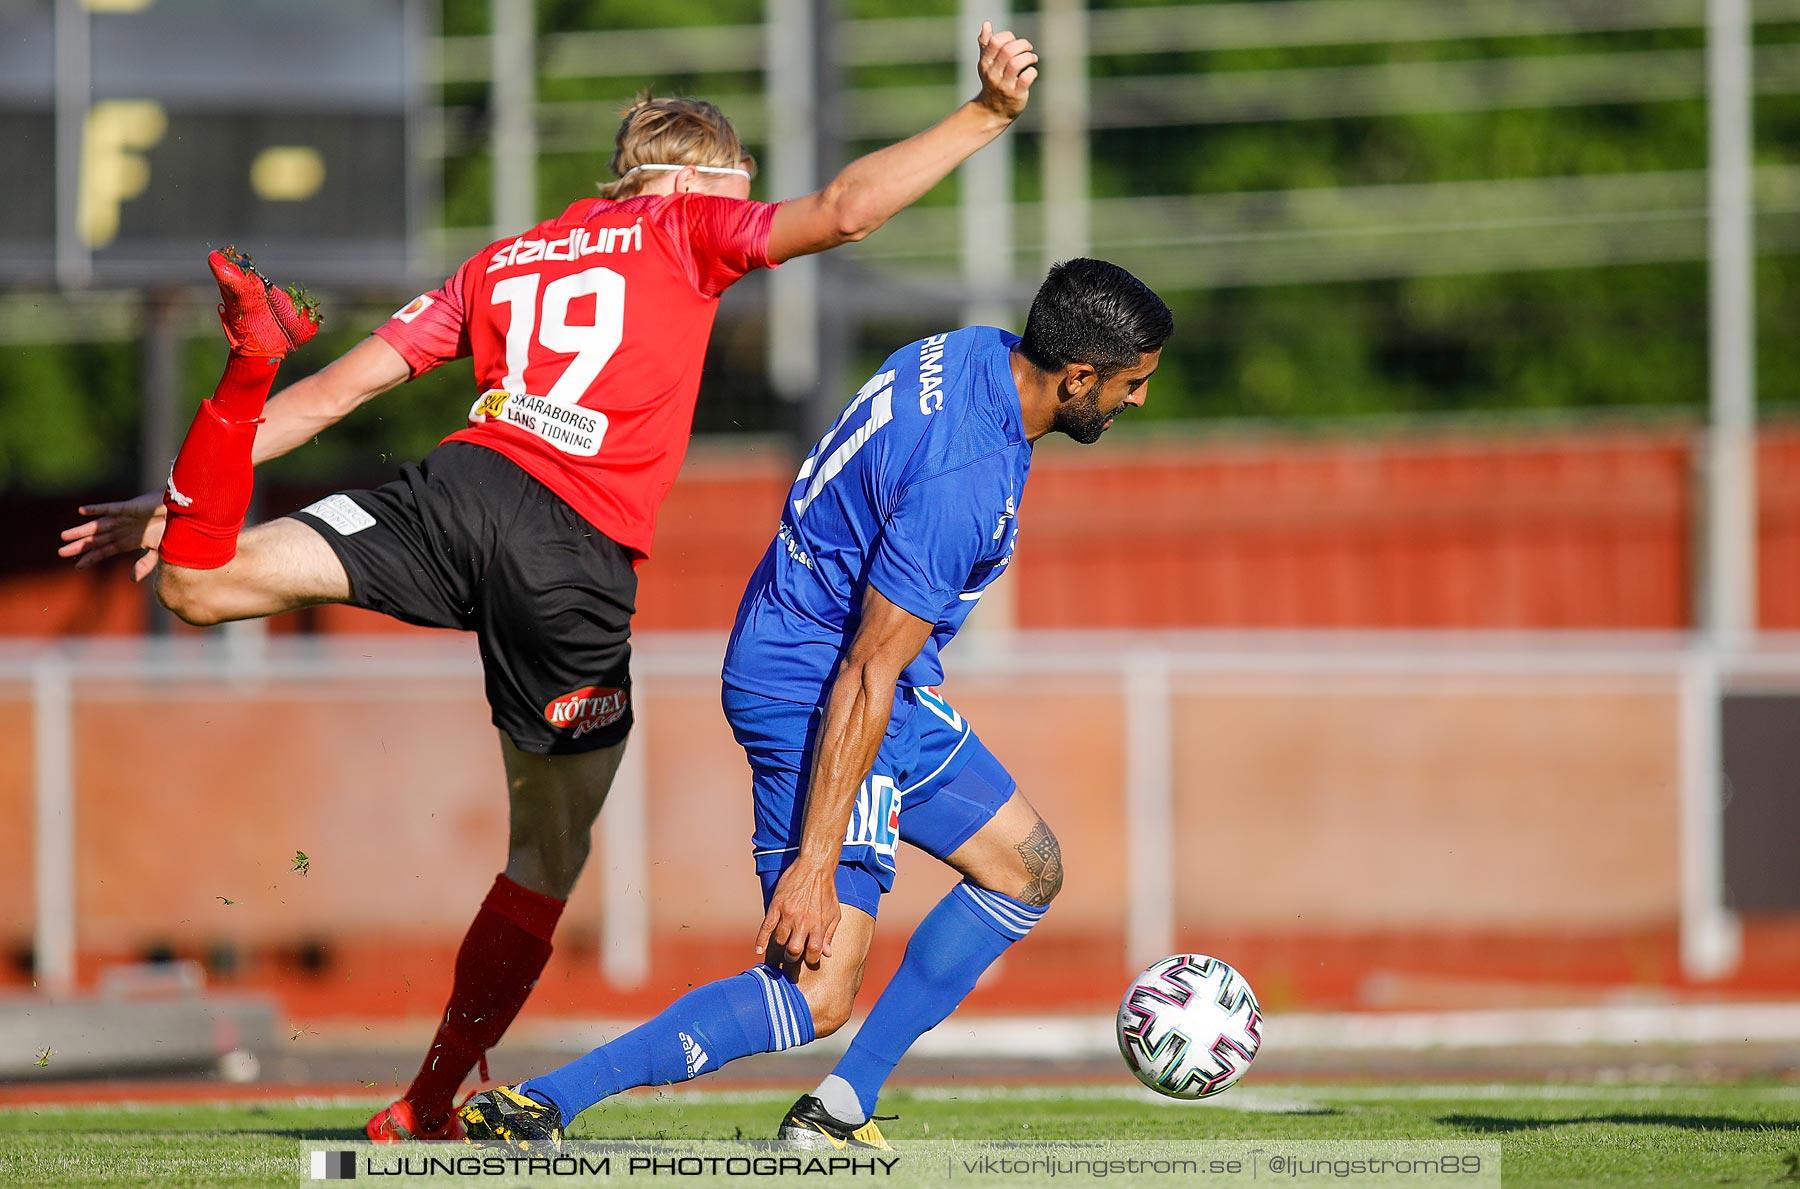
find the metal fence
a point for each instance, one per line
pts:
(1147, 701)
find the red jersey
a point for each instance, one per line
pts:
(588, 334)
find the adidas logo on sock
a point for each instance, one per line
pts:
(696, 1056)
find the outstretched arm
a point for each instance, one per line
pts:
(302, 409)
(292, 416)
(803, 911)
(873, 189)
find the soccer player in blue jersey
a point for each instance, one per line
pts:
(900, 518)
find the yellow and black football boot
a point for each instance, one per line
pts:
(809, 1125)
(504, 1118)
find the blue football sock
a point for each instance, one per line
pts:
(959, 939)
(759, 1011)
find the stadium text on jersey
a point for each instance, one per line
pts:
(580, 242)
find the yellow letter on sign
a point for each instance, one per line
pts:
(113, 170)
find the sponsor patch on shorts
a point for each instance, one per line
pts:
(341, 513)
(586, 709)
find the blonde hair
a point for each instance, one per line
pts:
(671, 132)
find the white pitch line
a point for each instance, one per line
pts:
(1259, 1100)
(1621, 1024)
(1273, 1098)
(139, 1106)
(1574, 1092)
(1078, 1037)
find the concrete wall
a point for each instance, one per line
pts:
(1583, 529)
(1310, 802)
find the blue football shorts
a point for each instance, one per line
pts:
(933, 784)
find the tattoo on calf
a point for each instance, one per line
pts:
(1043, 862)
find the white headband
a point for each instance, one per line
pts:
(743, 173)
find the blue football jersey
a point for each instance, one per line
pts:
(915, 490)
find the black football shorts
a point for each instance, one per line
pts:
(468, 540)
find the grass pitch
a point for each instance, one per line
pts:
(1551, 1135)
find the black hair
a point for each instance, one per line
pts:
(1094, 312)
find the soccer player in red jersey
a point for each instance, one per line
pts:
(588, 332)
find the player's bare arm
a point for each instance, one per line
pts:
(299, 412)
(873, 189)
(804, 912)
(293, 416)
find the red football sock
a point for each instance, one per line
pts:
(501, 957)
(210, 484)
(244, 387)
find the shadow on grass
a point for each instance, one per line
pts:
(1499, 1125)
(322, 1134)
(1307, 1112)
(161, 1134)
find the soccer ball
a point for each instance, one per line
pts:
(1189, 1026)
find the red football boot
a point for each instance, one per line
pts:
(260, 319)
(395, 1124)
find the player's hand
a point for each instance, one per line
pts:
(1008, 67)
(122, 527)
(803, 914)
